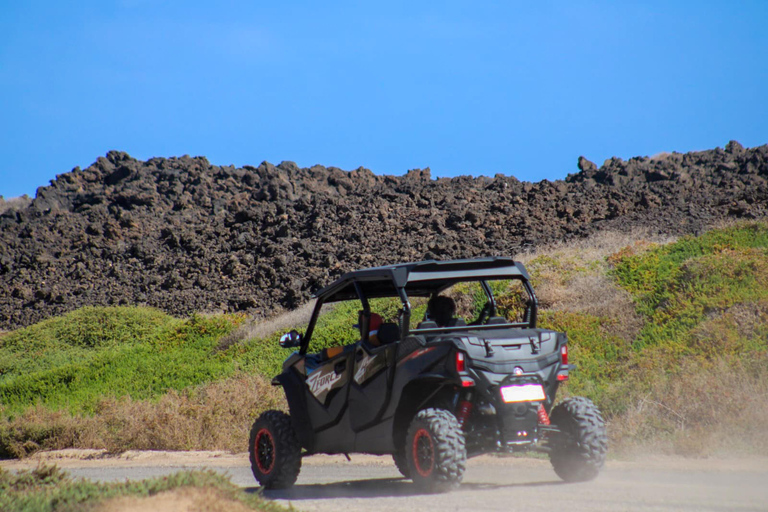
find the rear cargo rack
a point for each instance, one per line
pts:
(469, 328)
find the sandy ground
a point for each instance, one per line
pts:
(371, 484)
(77, 458)
(181, 500)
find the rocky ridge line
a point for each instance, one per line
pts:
(183, 235)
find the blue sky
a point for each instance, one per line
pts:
(519, 88)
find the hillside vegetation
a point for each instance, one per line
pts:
(692, 377)
(670, 339)
(73, 361)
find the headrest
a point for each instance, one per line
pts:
(389, 333)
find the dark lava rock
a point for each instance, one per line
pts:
(183, 235)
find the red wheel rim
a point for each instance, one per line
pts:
(423, 452)
(264, 451)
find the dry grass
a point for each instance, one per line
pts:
(711, 404)
(215, 416)
(698, 411)
(573, 277)
(597, 246)
(732, 331)
(595, 295)
(262, 328)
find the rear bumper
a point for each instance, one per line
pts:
(518, 424)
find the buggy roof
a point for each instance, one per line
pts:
(420, 279)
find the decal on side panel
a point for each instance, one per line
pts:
(323, 380)
(369, 365)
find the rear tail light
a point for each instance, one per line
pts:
(460, 362)
(562, 375)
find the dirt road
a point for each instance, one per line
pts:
(490, 483)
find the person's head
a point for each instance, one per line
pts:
(441, 310)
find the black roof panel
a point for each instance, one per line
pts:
(421, 278)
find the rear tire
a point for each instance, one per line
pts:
(435, 451)
(578, 451)
(275, 452)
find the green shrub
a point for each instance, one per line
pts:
(600, 356)
(677, 286)
(77, 336)
(137, 352)
(48, 488)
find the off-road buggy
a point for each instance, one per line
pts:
(431, 395)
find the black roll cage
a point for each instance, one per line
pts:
(428, 276)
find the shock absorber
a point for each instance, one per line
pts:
(464, 408)
(463, 411)
(543, 416)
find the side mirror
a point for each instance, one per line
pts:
(290, 339)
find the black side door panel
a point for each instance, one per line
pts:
(371, 382)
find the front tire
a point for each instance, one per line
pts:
(401, 461)
(274, 450)
(578, 451)
(435, 451)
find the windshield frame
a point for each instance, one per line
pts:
(529, 321)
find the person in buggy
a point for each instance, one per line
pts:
(441, 310)
(369, 332)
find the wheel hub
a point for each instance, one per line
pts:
(423, 452)
(264, 447)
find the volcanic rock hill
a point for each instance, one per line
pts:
(184, 235)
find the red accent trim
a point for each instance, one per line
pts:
(425, 472)
(259, 463)
(543, 416)
(415, 354)
(463, 411)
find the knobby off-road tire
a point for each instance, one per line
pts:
(435, 451)
(578, 451)
(275, 451)
(402, 463)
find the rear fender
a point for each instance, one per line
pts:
(430, 390)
